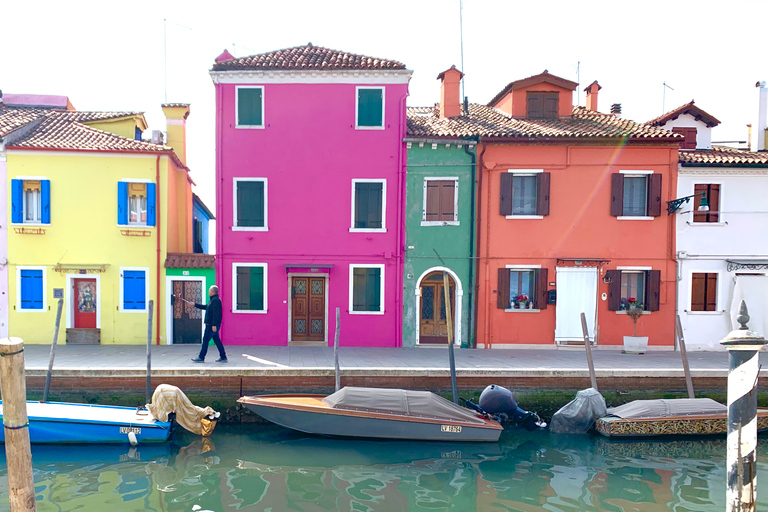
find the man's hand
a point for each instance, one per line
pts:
(214, 328)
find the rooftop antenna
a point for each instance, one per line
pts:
(165, 53)
(578, 81)
(664, 97)
(461, 39)
(234, 49)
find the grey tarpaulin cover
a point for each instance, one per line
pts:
(400, 401)
(664, 408)
(578, 415)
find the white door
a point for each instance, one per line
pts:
(576, 294)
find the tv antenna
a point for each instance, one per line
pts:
(461, 42)
(165, 53)
(664, 97)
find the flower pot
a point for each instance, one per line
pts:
(635, 344)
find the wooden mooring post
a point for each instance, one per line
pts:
(684, 357)
(18, 454)
(449, 327)
(337, 371)
(53, 351)
(148, 391)
(588, 348)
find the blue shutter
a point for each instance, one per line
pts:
(31, 289)
(17, 201)
(45, 198)
(151, 204)
(141, 289)
(122, 203)
(134, 289)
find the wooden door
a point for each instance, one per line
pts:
(86, 301)
(433, 326)
(308, 308)
(187, 319)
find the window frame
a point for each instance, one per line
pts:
(237, 108)
(265, 304)
(235, 227)
(38, 210)
(144, 225)
(43, 270)
(121, 297)
(527, 172)
(383, 228)
(718, 281)
(146, 205)
(648, 191)
(455, 221)
(719, 211)
(43, 180)
(383, 107)
(352, 267)
(652, 290)
(539, 296)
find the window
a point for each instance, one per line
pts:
(366, 294)
(136, 202)
(704, 291)
(249, 287)
(31, 288)
(635, 194)
(516, 281)
(31, 201)
(712, 191)
(369, 108)
(250, 107)
(250, 204)
(542, 105)
(197, 236)
(369, 205)
(690, 137)
(134, 288)
(524, 193)
(625, 284)
(440, 202)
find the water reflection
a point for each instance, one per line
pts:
(267, 468)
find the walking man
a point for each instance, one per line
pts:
(212, 326)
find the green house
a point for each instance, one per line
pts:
(188, 276)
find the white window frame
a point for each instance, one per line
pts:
(146, 290)
(637, 174)
(234, 289)
(146, 209)
(235, 227)
(383, 228)
(635, 270)
(18, 289)
(720, 222)
(455, 221)
(24, 220)
(525, 172)
(519, 268)
(719, 295)
(383, 107)
(352, 267)
(237, 111)
(127, 202)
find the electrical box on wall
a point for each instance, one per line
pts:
(552, 297)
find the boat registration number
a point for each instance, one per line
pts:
(450, 428)
(128, 430)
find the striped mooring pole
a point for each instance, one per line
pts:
(743, 346)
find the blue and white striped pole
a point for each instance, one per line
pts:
(744, 346)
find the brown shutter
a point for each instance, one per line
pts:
(698, 291)
(617, 194)
(542, 283)
(535, 105)
(614, 289)
(550, 105)
(714, 203)
(711, 298)
(447, 191)
(502, 297)
(652, 297)
(433, 201)
(697, 215)
(542, 186)
(654, 195)
(506, 194)
(690, 137)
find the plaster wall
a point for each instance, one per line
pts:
(703, 132)
(4, 298)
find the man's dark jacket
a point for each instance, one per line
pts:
(212, 311)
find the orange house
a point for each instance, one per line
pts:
(571, 209)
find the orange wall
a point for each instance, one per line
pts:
(579, 226)
(179, 211)
(515, 103)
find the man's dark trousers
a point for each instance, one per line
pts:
(207, 337)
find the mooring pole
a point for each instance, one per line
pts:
(337, 371)
(21, 483)
(743, 346)
(684, 357)
(449, 327)
(53, 351)
(588, 347)
(149, 352)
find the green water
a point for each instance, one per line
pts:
(263, 467)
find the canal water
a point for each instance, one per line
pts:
(263, 467)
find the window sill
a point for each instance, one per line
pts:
(526, 310)
(22, 224)
(249, 228)
(705, 313)
(133, 310)
(440, 223)
(366, 312)
(29, 310)
(250, 312)
(135, 226)
(634, 217)
(698, 224)
(249, 126)
(365, 230)
(624, 312)
(369, 127)
(524, 217)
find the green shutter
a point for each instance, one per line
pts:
(368, 200)
(373, 290)
(249, 102)
(250, 288)
(250, 203)
(257, 288)
(370, 107)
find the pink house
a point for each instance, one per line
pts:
(310, 176)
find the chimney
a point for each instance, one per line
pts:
(176, 128)
(591, 91)
(450, 92)
(616, 109)
(758, 134)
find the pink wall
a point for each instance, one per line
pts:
(309, 150)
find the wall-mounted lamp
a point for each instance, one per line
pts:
(676, 204)
(607, 280)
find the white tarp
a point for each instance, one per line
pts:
(169, 399)
(576, 294)
(665, 408)
(753, 290)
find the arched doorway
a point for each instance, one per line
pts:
(433, 324)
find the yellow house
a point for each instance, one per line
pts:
(92, 212)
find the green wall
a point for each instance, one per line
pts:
(452, 243)
(208, 273)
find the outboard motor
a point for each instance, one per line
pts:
(500, 402)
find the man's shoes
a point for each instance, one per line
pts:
(222, 360)
(198, 360)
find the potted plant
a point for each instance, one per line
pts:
(522, 301)
(635, 344)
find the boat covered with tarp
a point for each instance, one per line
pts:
(376, 413)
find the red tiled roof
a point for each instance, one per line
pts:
(546, 76)
(13, 118)
(689, 108)
(722, 156)
(489, 122)
(305, 58)
(189, 260)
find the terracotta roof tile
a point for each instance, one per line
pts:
(689, 108)
(489, 122)
(546, 76)
(13, 118)
(722, 156)
(189, 260)
(305, 58)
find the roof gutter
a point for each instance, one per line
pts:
(581, 140)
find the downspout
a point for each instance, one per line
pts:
(218, 266)
(480, 166)
(400, 231)
(158, 224)
(471, 301)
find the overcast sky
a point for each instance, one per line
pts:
(107, 55)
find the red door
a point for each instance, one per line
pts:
(85, 303)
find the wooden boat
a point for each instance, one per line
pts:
(58, 422)
(376, 413)
(670, 417)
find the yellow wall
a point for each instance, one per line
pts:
(124, 126)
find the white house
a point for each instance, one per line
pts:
(722, 253)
